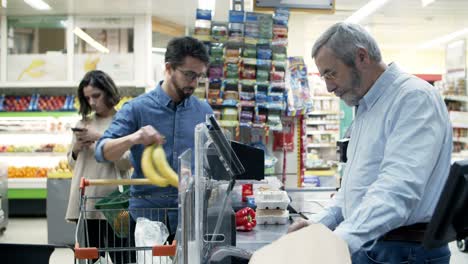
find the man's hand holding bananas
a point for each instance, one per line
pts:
(154, 163)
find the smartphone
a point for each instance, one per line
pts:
(77, 129)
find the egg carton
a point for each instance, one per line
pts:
(272, 217)
(277, 200)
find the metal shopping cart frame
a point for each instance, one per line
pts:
(123, 230)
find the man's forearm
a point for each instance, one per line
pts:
(114, 148)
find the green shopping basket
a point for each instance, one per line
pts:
(115, 208)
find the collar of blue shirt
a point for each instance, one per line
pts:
(380, 86)
(163, 98)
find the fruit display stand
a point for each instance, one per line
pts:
(33, 145)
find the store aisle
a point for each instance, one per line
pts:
(34, 231)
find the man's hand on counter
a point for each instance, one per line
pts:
(298, 224)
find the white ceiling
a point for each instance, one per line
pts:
(398, 24)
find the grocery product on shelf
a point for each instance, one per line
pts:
(321, 130)
(15, 103)
(454, 93)
(26, 172)
(37, 102)
(247, 69)
(51, 147)
(61, 170)
(51, 103)
(203, 25)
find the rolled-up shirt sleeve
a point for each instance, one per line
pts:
(415, 134)
(123, 124)
(332, 215)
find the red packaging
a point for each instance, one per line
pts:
(247, 189)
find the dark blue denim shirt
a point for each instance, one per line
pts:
(177, 125)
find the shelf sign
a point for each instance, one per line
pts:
(455, 60)
(313, 6)
(104, 22)
(38, 22)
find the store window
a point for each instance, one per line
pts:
(36, 49)
(105, 44)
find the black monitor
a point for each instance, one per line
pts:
(251, 158)
(450, 219)
(227, 156)
(233, 160)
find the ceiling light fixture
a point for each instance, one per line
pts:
(425, 3)
(444, 39)
(88, 39)
(4, 3)
(38, 4)
(365, 11)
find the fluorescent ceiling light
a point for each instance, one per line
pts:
(88, 39)
(425, 3)
(365, 11)
(4, 3)
(444, 39)
(38, 4)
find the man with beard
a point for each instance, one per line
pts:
(398, 154)
(166, 115)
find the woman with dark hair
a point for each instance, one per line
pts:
(98, 95)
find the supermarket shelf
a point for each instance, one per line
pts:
(460, 125)
(459, 119)
(22, 132)
(33, 154)
(323, 113)
(63, 84)
(228, 123)
(459, 98)
(314, 190)
(459, 156)
(310, 172)
(40, 114)
(322, 122)
(322, 132)
(322, 145)
(27, 183)
(49, 84)
(461, 139)
(27, 193)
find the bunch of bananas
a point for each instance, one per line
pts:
(155, 167)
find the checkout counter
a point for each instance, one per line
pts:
(305, 202)
(206, 219)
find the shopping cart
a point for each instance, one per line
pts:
(116, 241)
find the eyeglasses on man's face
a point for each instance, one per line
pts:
(191, 75)
(329, 76)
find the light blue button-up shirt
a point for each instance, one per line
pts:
(177, 126)
(398, 160)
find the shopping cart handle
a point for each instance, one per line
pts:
(165, 250)
(111, 182)
(85, 253)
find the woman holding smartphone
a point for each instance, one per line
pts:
(97, 95)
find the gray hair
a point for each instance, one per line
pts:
(344, 39)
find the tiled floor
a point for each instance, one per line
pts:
(34, 231)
